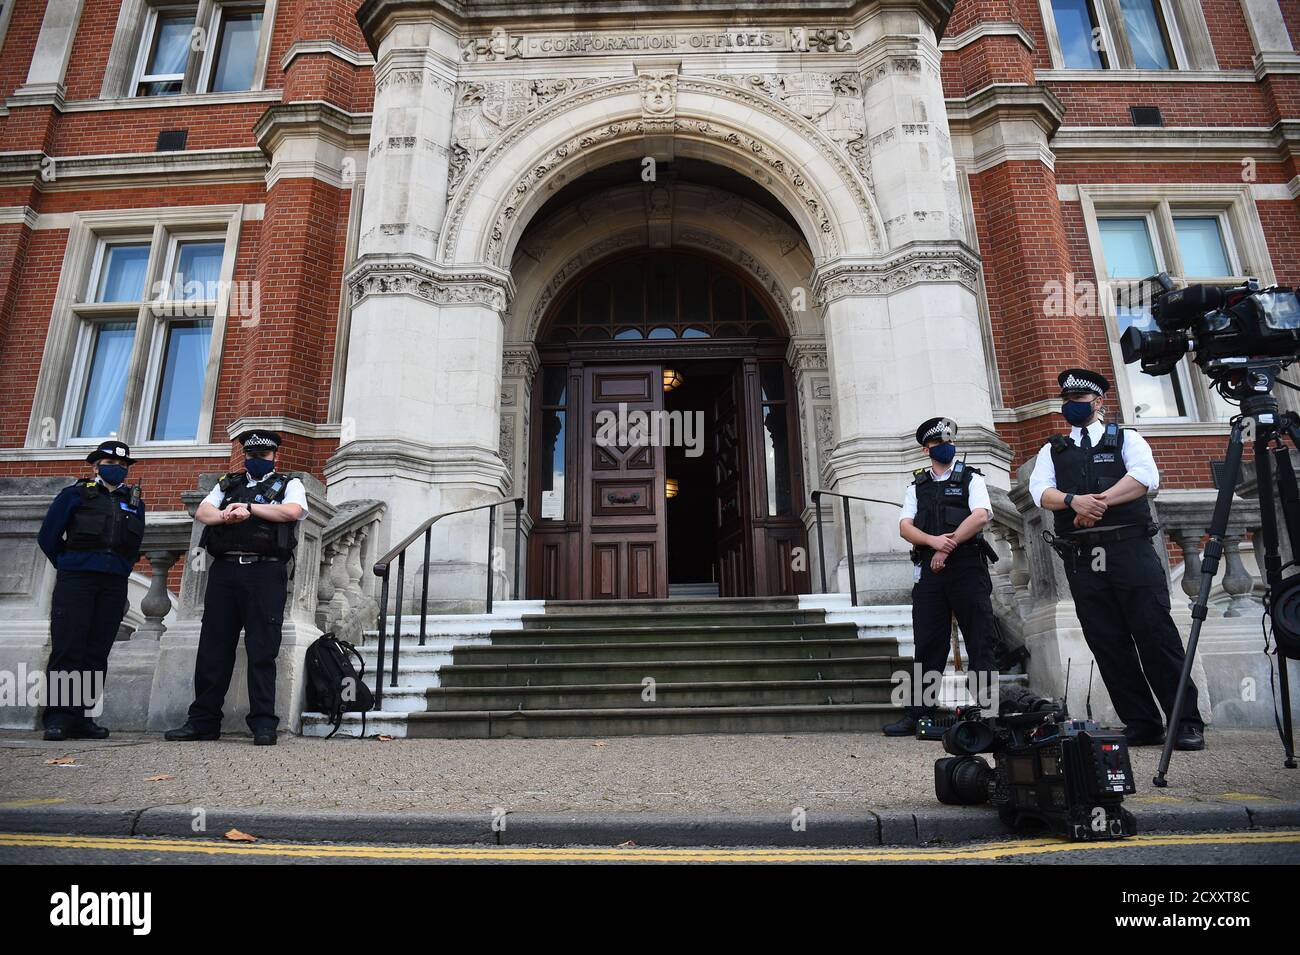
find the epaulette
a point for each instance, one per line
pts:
(1059, 443)
(920, 475)
(228, 479)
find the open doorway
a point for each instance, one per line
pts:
(691, 478)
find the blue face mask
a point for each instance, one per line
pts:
(943, 453)
(1078, 413)
(112, 473)
(258, 468)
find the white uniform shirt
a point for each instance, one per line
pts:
(977, 495)
(294, 493)
(1138, 460)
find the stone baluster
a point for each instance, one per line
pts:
(343, 602)
(1189, 541)
(156, 604)
(325, 618)
(1237, 580)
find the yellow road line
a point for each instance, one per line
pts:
(1003, 850)
(24, 803)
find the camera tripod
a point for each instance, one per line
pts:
(1262, 423)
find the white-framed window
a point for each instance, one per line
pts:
(1120, 34)
(1198, 234)
(135, 340)
(173, 47)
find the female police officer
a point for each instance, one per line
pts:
(92, 535)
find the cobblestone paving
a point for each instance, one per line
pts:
(663, 774)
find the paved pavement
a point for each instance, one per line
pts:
(810, 790)
(742, 773)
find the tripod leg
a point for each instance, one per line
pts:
(1288, 734)
(1209, 567)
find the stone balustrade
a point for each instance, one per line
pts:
(346, 601)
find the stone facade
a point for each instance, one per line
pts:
(917, 185)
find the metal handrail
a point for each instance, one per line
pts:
(383, 566)
(848, 535)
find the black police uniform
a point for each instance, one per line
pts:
(247, 590)
(1123, 605)
(962, 589)
(92, 536)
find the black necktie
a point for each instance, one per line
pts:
(1085, 440)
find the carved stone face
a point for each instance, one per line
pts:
(657, 94)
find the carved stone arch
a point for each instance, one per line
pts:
(703, 218)
(710, 119)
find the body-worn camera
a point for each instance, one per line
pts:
(1215, 322)
(1065, 775)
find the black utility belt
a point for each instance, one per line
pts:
(249, 558)
(1105, 535)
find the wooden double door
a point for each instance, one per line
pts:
(608, 442)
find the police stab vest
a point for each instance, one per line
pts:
(1091, 472)
(255, 535)
(107, 522)
(941, 506)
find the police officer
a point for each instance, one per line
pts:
(944, 511)
(251, 532)
(1096, 481)
(92, 535)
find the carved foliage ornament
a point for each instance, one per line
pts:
(405, 279)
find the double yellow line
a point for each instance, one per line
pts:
(985, 852)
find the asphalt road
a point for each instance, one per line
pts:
(1258, 847)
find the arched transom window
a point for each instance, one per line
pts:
(659, 295)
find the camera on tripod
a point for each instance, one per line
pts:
(1065, 775)
(1215, 322)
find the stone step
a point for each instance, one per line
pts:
(670, 606)
(587, 654)
(672, 671)
(632, 695)
(663, 620)
(646, 721)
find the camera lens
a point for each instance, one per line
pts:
(962, 781)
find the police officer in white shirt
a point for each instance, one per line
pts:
(944, 512)
(1096, 481)
(251, 519)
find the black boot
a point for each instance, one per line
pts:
(188, 733)
(87, 729)
(905, 725)
(1190, 737)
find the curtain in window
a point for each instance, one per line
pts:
(1201, 243)
(171, 46)
(101, 408)
(122, 278)
(198, 270)
(1145, 34)
(180, 394)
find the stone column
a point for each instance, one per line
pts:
(1268, 29)
(904, 344)
(53, 49)
(423, 392)
(812, 385)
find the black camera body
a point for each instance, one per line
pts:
(1223, 326)
(1065, 775)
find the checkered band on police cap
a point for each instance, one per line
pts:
(1081, 379)
(258, 441)
(944, 428)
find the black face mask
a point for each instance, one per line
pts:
(112, 473)
(258, 468)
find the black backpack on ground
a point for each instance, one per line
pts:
(333, 685)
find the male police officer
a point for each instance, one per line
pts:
(251, 519)
(944, 511)
(1096, 481)
(92, 534)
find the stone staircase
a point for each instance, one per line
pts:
(684, 665)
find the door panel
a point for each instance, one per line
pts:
(624, 529)
(730, 464)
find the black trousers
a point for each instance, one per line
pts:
(251, 598)
(85, 613)
(1123, 608)
(962, 589)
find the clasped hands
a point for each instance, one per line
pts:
(234, 513)
(1088, 509)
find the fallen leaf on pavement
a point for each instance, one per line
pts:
(600, 742)
(234, 835)
(62, 761)
(853, 755)
(384, 738)
(630, 844)
(159, 777)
